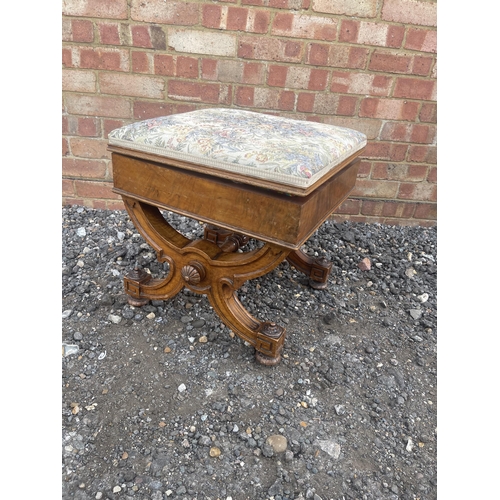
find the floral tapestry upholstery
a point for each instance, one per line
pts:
(287, 151)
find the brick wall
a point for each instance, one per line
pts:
(364, 64)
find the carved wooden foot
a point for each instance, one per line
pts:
(132, 282)
(206, 268)
(317, 269)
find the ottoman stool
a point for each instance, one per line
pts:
(245, 175)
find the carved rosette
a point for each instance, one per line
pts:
(193, 272)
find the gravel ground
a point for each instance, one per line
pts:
(164, 402)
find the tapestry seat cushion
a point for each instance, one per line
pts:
(287, 151)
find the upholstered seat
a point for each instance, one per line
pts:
(254, 145)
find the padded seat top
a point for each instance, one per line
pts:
(283, 150)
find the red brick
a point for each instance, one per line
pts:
(109, 205)
(65, 146)
(357, 58)
(428, 113)
(387, 171)
(399, 172)
(425, 211)
(147, 109)
(164, 65)
(116, 107)
(259, 21)
(244, 96)
(414, 133)
(89, 148)
(421, 191)
(424, 134)
(422, 154)
(269, 49)
(278, 4)
(371, 207)
(422, 65)
(347, 105)
(385, 151)
(187, 67)
(417, 173)
(199, 92)
(413, 88)
(421, 39)
(109, 125)
(67, 58)
(305, 102)
(172, 12)
(293, 49)
(141, 62)
(432, 175)
(395, 36)
(394, 131)
(209, 69)
(318, 79)
(74, 167)
(109, 34)
(338, 56)
(349, 31)
(141, 37)
(324, 104)
(389, 109)
(237, 18)
(132, 85)
(65, 125)
(253, 73)
(349, 207)
(211, 16)
(364, 169)
(93, 189)
(68, 188)
(106, 59)
(390, 62)
(283, 23)
(82, 30)
(318, 54)
(277, 76)
(286, 101)
(82, 126)
(273, 99)
(401, 210)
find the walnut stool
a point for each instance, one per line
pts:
(246, 175)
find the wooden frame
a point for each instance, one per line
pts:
(234, 211)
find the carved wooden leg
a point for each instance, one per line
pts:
(267, 337)
(317, 269)
(203, 267)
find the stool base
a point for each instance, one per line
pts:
(212, 266)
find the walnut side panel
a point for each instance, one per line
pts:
(326, 199)
(260, 213)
